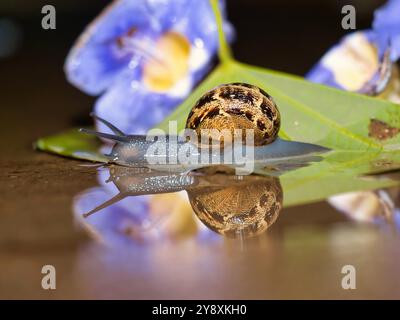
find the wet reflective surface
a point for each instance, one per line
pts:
(117, 254)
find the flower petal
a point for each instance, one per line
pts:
(132, 107)
(387, 26)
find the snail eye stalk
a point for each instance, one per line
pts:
(108, 124)
(117, 136)
(105, 135)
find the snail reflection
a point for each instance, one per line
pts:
(228, 204)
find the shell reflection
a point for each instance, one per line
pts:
(237, 207)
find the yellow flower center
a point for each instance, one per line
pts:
(171, 65)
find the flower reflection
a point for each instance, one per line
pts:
(232, 207)
(151, 205)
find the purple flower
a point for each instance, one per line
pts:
(356, 59)
(349, 64)
(386, 27)
(144, 57)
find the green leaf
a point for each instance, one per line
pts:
(310, 113)
(224, 51)
(74, 144)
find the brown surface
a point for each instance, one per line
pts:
(300, 256)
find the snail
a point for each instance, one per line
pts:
(228, 107)
(227, 204)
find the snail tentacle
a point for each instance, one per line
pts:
(105, 135)
(108, 124)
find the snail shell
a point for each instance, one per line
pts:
(236, 106)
